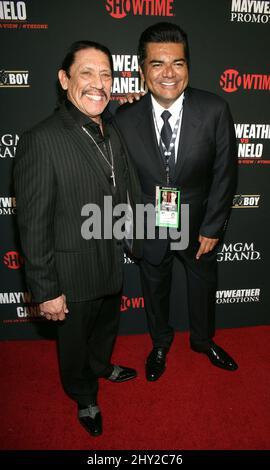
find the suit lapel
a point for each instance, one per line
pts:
(147, 133)
(85, 146)
(191, 120)
(190, 124)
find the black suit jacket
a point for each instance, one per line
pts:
(57, 171)
(206, 161)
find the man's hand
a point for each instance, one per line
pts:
(207, 244)
(130, 97)
(54, 309)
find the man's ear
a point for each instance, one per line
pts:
(63, 79)
(141, 74)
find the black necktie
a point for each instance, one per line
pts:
(166, 134)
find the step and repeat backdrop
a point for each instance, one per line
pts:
(229, 44)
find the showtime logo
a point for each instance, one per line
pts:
(8, 145)
(250, 11)
(134, 302)
(231, 81)
(14, 79)
(13, 260)
(121, 8)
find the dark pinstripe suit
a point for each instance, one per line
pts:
(58, 170)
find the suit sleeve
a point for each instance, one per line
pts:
(35, 189)
(224, 178)
(134, 193)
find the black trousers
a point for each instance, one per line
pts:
(201, 288)
(85, 343)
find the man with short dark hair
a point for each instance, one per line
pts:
(73, 158)
(181, 140)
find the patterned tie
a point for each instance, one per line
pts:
(166, 134)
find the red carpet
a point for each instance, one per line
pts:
(193, 406)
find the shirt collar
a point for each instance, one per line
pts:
(174, 108)
(82, 119)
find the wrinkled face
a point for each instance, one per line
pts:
(165, 71)
(89, 83)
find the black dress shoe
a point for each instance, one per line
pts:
(122, 374)
(218, 357)
(155, 364)
(90, 418)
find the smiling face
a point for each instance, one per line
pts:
(165, 71)
(89, 82)
(164, 196)
(173, 198)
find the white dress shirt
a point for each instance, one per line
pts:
(175, 110)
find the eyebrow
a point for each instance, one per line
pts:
(157, 61)
(87, 67)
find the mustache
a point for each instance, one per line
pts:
(95, 91)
